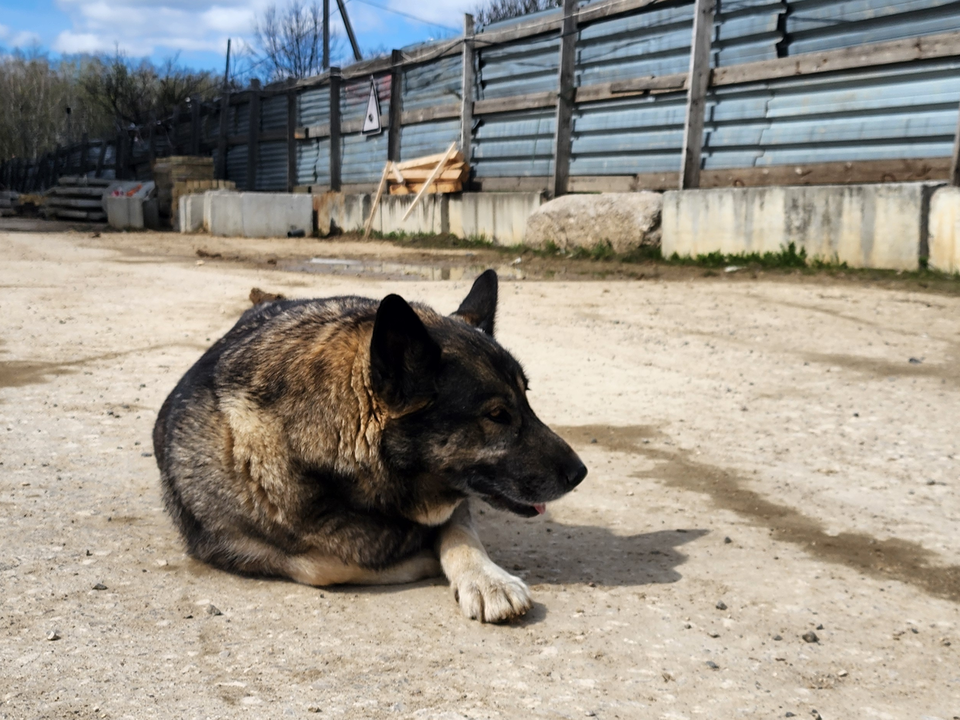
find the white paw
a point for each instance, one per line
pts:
(490, 594)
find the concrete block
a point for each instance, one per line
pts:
(276, 214)
(124, 213)
(429, 217)
(328, 209)
(498, 217)
(876, 226)
(190, 213)
(354, 212)
(624, 220)
(944, 228)
(223, 213)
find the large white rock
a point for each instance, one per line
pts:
(624, 220)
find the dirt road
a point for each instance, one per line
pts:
(769, 461)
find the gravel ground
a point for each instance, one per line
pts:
(769, 528)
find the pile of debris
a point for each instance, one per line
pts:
(8, 202)
(78, 198)
(449, 171)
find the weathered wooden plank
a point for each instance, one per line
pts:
(430, 161)
(868, 55)
(563, 132)
(438, 112)
(467, 80)
(396, 107)
(515, 102)
(696, 94)
(634, 86)
(222, 140)
(336, 159)
(253, 135)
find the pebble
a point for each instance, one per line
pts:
(213, 610)
(810, 636)
(819, 627)
(99, 586)
(53, 635)
(789, 714)
(778, 638)
(915, 361)
(727, 541)
(721, 605)
(712, 665)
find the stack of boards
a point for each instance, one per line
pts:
(78, 198)
(408, 177)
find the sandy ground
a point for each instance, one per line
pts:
(765, 459)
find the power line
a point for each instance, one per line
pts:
(408, 15)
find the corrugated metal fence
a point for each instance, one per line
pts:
(801, 91)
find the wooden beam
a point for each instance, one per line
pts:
(194, 124)
(869, 55)
(467, 81)
(635, 86)
(396, 106)
(376, 198)
(438, 112)
(335, 145)
(291, 140)
(955, 159)
(515, 102)
(696, 94)
(222, 147)
(434, 175)
(563, 134)
(253, 135)
(100, 159)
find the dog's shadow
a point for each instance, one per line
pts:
(546, 552)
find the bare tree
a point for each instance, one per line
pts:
(289, 41)
(492, 11)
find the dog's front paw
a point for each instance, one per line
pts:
(491, 594)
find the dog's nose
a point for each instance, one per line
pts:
(574, 473)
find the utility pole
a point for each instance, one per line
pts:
(346, 24)
(226, 70)
(326, 34)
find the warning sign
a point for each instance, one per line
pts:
(371, 121)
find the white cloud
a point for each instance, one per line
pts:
(70, 43)
(12, 39)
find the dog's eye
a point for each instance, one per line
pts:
(499, 416)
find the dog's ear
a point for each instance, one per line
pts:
(480, 305)
(404, 359)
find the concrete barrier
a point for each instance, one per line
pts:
(190, 213)
(944, 229)
(878, 226)
(276, 214)
(498, 217)
(223, 213)
(132, 213)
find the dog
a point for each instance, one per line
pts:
(342, 440)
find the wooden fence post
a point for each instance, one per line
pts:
(697, 84)
(253, 135)
(222, 138)
(396, 106)
(84, 152)
(101, 158)
(151, 140)
(291, 139)
(56, 165)
(335, 149)
(118, 156)
(194, 124)
(955, 162)
(563, 136)
(175, 146)
(466, 104)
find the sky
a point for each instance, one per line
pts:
(196, 31)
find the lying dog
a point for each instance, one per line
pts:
(339, 441)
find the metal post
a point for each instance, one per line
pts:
(291, 139)
(955, 162)
(222, 144)
(563, 137)
(697, 85)
(326, 35)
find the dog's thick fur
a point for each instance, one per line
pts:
(339, 440)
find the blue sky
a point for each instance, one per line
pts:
(197, 30)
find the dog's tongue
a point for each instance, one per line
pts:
(540, 508)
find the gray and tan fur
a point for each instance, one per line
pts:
(339, 441)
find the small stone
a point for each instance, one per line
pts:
(727, 541)
(842, 673)
(712, 665)
(721, 605)
(819, 627)
(213, 610)
(778, 638)
(99, 586)
(810, 636)
(593, 441)
(146, 454)
(590, 713)
(714, 634)
(789, 714)
(915, 361)
(313, 709)
(914, 631)
(945, 642)
(53, 635)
